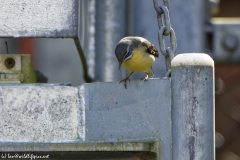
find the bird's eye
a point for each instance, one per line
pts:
(127, 55)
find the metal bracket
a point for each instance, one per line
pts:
(225, 40)
(16, 68)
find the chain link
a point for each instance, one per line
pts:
(165, 29)
(166, 3)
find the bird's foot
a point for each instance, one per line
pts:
(125, 81)
(145, 78)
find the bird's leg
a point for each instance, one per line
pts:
(125, 80)
(145, 78)
(149, 74)
(150, 77)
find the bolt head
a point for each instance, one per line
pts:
(230, 42)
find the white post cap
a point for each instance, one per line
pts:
(192, 59)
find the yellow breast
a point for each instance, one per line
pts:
(140, 61)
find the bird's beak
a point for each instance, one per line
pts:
(120, 63)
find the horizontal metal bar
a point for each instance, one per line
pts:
(78, 146)
(27, 18)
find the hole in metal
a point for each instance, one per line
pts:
(9, 63)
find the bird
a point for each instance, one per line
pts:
(136, 54)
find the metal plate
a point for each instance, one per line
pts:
(226, 40)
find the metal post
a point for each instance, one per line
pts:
(193, 107)
(111, 26)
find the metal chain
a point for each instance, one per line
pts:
(165, 29)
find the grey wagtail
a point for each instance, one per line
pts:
(137, 55)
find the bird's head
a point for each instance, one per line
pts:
(123, 51)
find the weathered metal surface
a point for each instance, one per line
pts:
(27, 18)
(192, 85)
(98, 113)
(140, 112)
(40, 114)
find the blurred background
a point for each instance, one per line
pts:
(209, 26)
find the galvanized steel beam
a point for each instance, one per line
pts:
(27, 18)
(192, 85)
(111, 26)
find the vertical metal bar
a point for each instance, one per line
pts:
(83, 39)
(86, 34)
(193, 107)
(110, 28)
